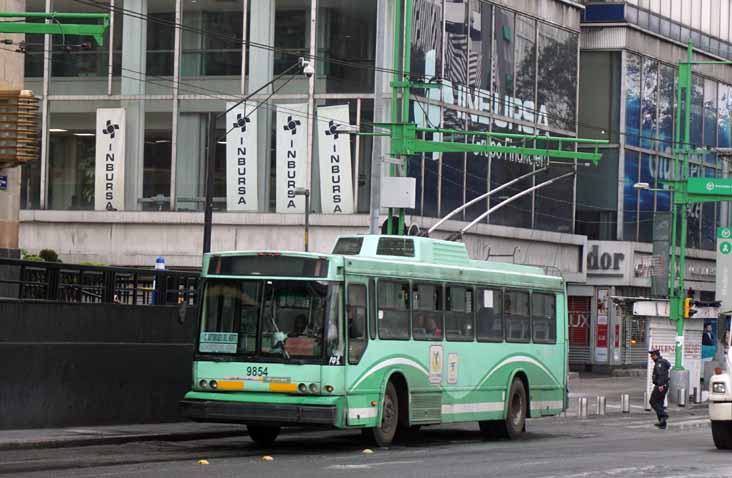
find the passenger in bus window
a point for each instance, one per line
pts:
(432, 329)
(298, 326)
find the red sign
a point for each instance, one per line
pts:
(579, 320)
(601, 336)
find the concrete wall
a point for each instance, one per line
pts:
(82, 364)
(137, 238)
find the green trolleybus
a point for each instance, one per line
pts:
(385, 334)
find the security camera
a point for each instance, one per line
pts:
(307, 67)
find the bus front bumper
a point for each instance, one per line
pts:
(249, 412)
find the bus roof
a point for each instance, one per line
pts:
(395, 253)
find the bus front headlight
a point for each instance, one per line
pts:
(719, 387)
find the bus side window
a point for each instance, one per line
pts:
(518, 320)
(544, 318)
(459, 315)
(393, 310)
(427, 311)
(356, 322)
(489, 304)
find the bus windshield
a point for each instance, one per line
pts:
(272, 319)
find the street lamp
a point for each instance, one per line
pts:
(305, 192)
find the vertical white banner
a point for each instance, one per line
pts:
(334, 151)
(291, 156)
(109, 168)
(241, 158)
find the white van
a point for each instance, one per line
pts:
(720, 402)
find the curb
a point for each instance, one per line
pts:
(116, 439)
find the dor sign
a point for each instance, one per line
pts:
(605, 262)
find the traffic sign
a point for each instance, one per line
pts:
(724, 267)
(710, 186)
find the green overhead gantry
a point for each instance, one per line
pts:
(57, 28)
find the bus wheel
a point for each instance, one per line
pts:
(722, 434)
(515, 422)
(383, 435)
(262, 435)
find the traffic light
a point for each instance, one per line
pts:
(688, 311)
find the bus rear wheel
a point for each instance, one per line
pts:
(383, 435)
(262, 435)
(515, 423)
(722, 434)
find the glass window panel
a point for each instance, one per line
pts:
(459, 313)
(415, 170)
(725, 113)
(693, 216)
(557, 93)
(71, 160)
(290, 36)
(456, 53)
(427, 310)
(453, 177)
(630, 196)
(632, 87)
(504, 52)
(476, 177)
(431, 186)
(525, 64)
(393, 311)
(666, 108)
(710, 113)
(516, 314)
(480, 45)
(649, 103)
(347, 41)
(356, 317)
(427, 37)
(697, 103)
(645, 200)
(544, 318)
(553, 203)
(161, 42)
(489, 321)
(156, 175)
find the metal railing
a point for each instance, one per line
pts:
(75, 283)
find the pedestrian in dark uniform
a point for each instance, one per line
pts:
(660, 386)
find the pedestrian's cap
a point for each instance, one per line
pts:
(654, 351)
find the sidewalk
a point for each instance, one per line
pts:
(110, 435)
(612, 387)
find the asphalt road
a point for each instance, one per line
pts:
(613, 446)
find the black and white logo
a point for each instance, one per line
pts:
(110, 129)
(241, 122)
(291, 125)
(332, 129)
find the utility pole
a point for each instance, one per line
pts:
(685, 191)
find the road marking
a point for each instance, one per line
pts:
(696, 422)
(365, 466)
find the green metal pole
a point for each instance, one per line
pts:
(395, 92)
(683, 198)
(406, 68)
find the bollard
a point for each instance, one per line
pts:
(646, 402)
(682, 397)
(601, 405)
(625, 403)
(582, 407)
(697, 395)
